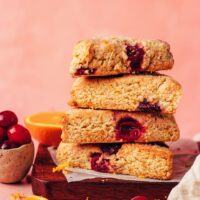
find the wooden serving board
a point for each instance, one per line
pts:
(54, 186)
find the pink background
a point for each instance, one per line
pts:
(37, 37)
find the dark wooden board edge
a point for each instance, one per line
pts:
(54, 186)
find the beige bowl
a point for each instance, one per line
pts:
(15, 163)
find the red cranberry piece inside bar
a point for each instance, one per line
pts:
(146, 106)
(129, 129)
(84, 71)
(111, 148)
(135, 56)
(98, 163)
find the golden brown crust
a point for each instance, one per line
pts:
(99, 126)
(108, 56)
(142, 160)
(126, 92)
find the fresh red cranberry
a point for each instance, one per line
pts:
(7, 119)
(98, 163)
(19, 135)
(146, 106)
(135, 55)
(3, 134)
(129, 129)
(84, 71)
(8, 145)
(111, 148)
(139, 198)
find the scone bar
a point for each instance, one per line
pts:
(140, 92)
(113, 56)
(123, 108)
(107, 126)
(142, 160)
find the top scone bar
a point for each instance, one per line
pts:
(112, 56)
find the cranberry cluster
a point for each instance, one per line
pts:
(12, 135)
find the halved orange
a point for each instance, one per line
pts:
(46, 127)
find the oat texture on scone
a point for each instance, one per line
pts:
(146, 93)
(141, 160)
(106, 126)
(119, 55)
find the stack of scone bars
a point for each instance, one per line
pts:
(123, 108)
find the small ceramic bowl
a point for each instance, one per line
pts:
(15, 163)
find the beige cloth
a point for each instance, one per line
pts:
(189, 186)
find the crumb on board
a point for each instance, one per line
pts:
(19, 196)
(60, 167)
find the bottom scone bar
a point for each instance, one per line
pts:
(141, 160)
